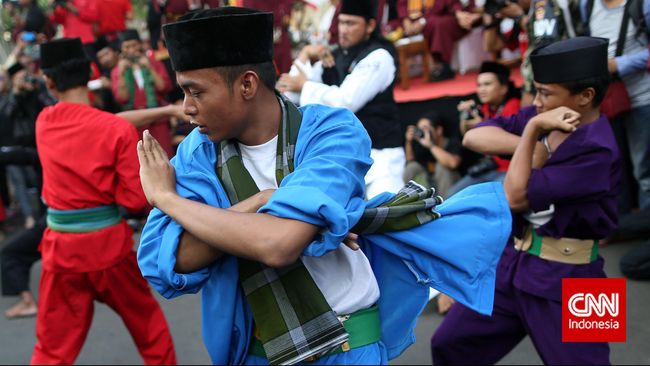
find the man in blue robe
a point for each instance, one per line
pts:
(307, 167)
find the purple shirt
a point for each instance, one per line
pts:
(581, 179)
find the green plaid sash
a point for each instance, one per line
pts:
(292, 317)
(412, 206)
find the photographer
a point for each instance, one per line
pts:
(498, 97)
(107, 58)
(141, 82)
(27, 98)
(431, 158)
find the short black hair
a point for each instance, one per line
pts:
(434, 118)
(599, 84)
(69, 74)
(265, 70)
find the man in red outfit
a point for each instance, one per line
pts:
(442, 23)
(78, 18)
(141, 82)
(90, 167)
(114, 14)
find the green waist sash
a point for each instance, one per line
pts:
(363, 326)
(83, 220)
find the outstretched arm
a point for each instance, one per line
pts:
(142, 117)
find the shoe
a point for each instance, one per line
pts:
(443, 73)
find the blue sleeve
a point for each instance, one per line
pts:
(631, 63)
(583, 14)
(327, 186)
(636, 62)
(195, 180)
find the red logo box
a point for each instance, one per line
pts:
(593, 310)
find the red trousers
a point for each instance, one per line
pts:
(442, 32)
(66, 305)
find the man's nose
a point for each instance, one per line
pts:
(188, 107)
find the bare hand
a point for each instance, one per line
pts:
(157, 175)
(123, 64)
(325, 56)
(143, 61)
(612, 66)
(310, 53)
(444, 303)
(351, 241)
(561, 118)
(466, 19)
(293, 83)
(465, 105)
(410, 133)
(426, 140)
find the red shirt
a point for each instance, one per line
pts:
(80, 25)
(511, 107)
(113, 15)
(89, 159)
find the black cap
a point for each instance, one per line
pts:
(570, 60)
(55, 52)
(13, 69)
(362, 8)
(495, 68)
(102, 42)
(225, 36)
(128, 35)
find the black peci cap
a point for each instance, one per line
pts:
(225, 36)
(570, 60)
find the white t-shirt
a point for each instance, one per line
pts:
(344, 276)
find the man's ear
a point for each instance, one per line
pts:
(372, 24)
(250, 83)
(586, 97)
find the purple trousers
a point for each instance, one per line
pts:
(467, 337)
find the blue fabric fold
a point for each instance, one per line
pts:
(456, 254)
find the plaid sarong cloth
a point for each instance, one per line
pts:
(292, 318)
(412, 206)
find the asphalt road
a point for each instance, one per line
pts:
(109, 343)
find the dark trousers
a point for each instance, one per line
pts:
(17, 258)
(635, 264)
(466, 337)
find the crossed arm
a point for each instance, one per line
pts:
(527, 152)
(271, 240)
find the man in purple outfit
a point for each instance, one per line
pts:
(561, 186)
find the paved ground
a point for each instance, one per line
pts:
(110, 343)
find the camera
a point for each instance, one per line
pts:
(30, 79)
(132, 58)
(418, 133)
(484, 165)
(470, 113)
